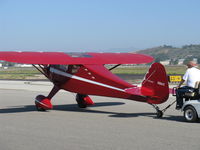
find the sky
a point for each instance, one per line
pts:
(97, 25)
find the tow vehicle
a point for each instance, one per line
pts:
(191, 103)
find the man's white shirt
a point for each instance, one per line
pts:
(191, 76)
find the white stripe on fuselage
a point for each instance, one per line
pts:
(83, 79)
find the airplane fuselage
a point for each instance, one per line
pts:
(91, 80)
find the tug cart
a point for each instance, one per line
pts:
(191, 103)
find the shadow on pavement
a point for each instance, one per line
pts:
(75, 108)
(67, 107)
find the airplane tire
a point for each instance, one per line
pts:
(39, 98)
(80, 101)
(42, 103)
(40, 108)
(190, 114)
(159, 114)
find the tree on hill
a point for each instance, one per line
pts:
(187, 60)
(165, 52)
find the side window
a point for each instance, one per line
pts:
(63, 68)
(73, 68)
(67, 68)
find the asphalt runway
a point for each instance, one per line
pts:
(111, 124)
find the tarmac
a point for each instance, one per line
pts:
(111, 124)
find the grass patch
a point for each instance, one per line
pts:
(18, 73)
(175, 69)
(143, 70)
(16, 76)
(29, 73)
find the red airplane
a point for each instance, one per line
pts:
(85, 74)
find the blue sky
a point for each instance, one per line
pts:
(97, 25)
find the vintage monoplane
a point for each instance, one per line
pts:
(86, 74)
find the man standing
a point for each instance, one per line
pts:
(191, 76)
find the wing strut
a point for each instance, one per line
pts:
(114, 67)
(41, 70)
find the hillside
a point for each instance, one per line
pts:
(187, 52)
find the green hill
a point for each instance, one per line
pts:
(187, 52)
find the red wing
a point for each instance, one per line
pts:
(74, 58)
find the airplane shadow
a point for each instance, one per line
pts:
(67, 107)
(90, 110)
(75, 108)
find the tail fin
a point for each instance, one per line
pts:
(155, 85)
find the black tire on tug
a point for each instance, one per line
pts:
(190, 114)
(80, 100)
(39, 98)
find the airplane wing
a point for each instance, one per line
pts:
(74, 58)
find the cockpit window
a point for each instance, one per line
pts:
(61, 67)
(74, 68)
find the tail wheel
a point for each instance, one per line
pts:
(159, 114)
(190, 114)
(80, 100)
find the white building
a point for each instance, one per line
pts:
(165, 62)
(180, 61)
(195, 60)
(23, 65)
(1, 63)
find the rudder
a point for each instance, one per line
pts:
(155, 85)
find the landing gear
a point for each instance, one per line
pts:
(159, 113)
(83, 100)
(80, 101)
(42, 103)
